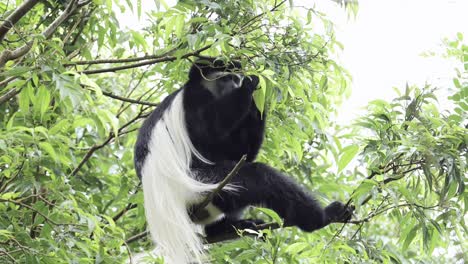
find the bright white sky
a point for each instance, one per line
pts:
(384, 43)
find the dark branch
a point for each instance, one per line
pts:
(129, 100)
(14, 17)
(221, 185)
(374, 214)
(148, 62)
(134, 59)
(103, 144)
(136, 237)
(34, 210)
(8, 95)
(129, 206)
(8, 55)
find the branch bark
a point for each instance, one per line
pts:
(221, 185)
(14, 17)
(8, 55)
(125, 99)
(8, 95)
(103, 61)
(148, 62)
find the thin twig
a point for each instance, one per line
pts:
(221, 185)
(123, 211)
(103, 144)
(36, 211)
(379, 212)
(148, 62)
(136, 237)
(6, 253)
(109, 61)
(129, 100)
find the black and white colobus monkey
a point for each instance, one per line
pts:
(191, 141)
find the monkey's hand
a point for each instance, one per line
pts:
(338, 212)
(250, 82)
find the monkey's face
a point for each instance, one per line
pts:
(222, 83)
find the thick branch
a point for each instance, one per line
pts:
(14, 17)
(8, 55)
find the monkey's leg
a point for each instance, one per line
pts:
(259, 184)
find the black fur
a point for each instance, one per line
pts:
(144, 135)
(223, 129)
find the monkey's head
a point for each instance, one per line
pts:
(217, 76)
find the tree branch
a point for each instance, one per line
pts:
(103, 144)
(136, 237)
(36, 211)
(260, 15)
(220, 186)
(123, 211)
(8, 95)
(14, 17)
(8, 55)
(374, 214)
(125, 99)
(134, 59)
(148, 62)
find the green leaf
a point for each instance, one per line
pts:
(276, 218)
(410, 237)
(47, 147)
(348, 153)
(23, 101)
(139, 39)
(16, 71)
(297, 247)
(259, 95)
(90, 83)
(42, 102)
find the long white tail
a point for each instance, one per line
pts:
(169, 187)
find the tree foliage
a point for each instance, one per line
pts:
(74, 87)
